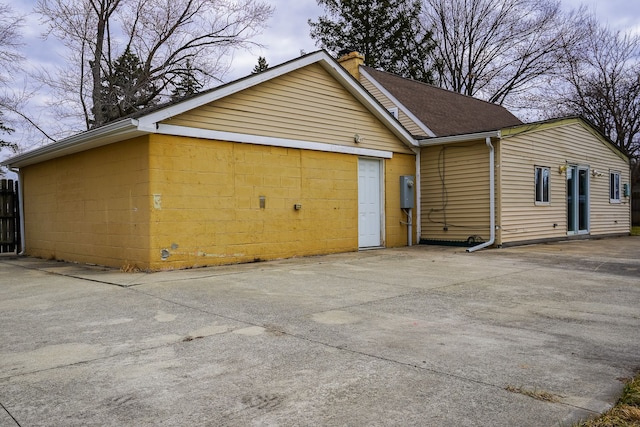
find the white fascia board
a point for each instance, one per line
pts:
(148, 122)
(399, 104)
(459, 138)
(373, 105)
(108, 134)
(270, 141)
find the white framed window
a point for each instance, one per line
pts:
(393, 111)
(541, 179)
(614, 187)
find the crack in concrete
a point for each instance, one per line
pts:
(9, 413)
(133, 288)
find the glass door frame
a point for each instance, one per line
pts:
(578, 183)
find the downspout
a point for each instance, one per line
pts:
(492, 200)
(418, 196)
(20, 209)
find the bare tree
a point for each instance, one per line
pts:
(10, 58)
(603, 85)
(162, 34)
(497, 49)
(10, 41)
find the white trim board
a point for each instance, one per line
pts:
(270, 141)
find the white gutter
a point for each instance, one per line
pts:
(20, 209)
(418, 197)
(428, 142)
(116, 131)
(492, 200)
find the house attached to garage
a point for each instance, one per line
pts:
(487, 179)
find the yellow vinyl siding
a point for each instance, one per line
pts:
(552, 146)
(455, 184)
(307, 105)
(404, 120)
(90, 207)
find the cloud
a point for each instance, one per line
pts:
(623, 15)
(286, 36)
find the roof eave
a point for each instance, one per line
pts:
(459, 138)
(108, 134)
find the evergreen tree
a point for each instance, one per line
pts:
(387, 32)
(126, 88)
(262, 65)
(188, 84)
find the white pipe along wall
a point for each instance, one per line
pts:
(492, 200)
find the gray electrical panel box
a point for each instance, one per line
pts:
(407, 186)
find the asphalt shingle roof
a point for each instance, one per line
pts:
(443, 111)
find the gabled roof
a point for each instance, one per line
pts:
(148, 121)
(511, 131)
(559, 121)
(441, 111)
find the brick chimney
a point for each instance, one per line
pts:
(351, 62)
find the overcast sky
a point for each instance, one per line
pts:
(287, 33)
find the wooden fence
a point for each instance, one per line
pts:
(9, 217)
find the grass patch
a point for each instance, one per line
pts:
(626, 413)
(635, 231)
(545, 396)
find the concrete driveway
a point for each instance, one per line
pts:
(539, 335)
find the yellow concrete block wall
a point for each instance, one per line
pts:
(216, 202)
(162, 202)
(90, 207)
(206, 202)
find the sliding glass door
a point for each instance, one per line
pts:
(577, 200)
